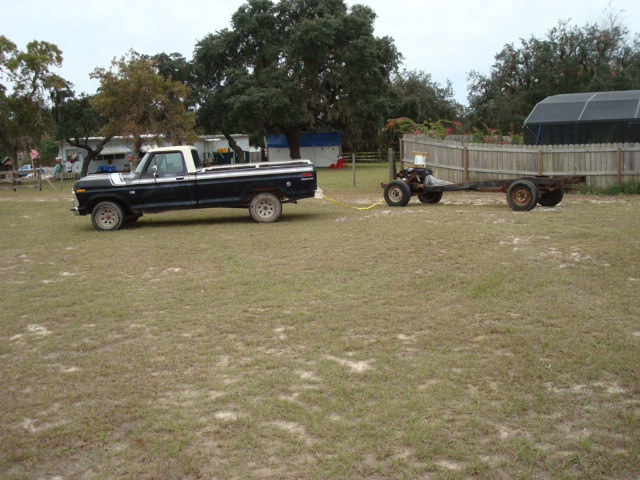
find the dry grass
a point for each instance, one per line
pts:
(458, 340)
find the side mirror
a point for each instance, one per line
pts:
(155, 170)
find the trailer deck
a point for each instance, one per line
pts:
(522, 193)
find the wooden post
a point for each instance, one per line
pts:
(465, 164)
(392, 167)
(540, 165)
(619, 164)
(353, 166)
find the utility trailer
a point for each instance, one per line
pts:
(522, 193)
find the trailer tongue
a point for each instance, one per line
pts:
(522, 193)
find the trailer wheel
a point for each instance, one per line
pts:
(107, 216)
(551, 198)
(430, 197)
(265, 208)
(397, 193)
(522, 195)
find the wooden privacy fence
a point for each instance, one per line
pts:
(35, 181)
(367, 157)
(458, 161)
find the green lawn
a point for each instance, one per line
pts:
(457, 340)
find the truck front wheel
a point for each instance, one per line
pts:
(265, 208)
(107, 216)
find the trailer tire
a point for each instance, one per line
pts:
(265, 208)
(522, 195)
(397, 193)
(430, 197)
(551, 198)
(107, 216)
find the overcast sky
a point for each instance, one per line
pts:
(446, 39)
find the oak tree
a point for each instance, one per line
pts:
(418, 97)
(138, 102)
(24, 106)
(293, 66)
(569, 59)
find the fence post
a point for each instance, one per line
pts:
(619, 164)
(392, 168)
(540, 165)
(465, 164)
(353, 167)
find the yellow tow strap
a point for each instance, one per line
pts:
(351, 206)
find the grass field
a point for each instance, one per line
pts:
(457, 340)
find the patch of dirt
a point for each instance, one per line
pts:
(354, 366)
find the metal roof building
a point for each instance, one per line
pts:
(581, 118)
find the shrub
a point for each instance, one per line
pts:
(624, 188)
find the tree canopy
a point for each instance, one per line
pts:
(290, 66)
(570, 59)
(418, 97)
(76, 122)
(24, 111)
(295, 65)
(137, 101)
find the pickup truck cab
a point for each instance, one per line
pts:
(172, 178)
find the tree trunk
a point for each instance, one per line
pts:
(235, 147)
(86, 161)
(91, 153)
(293, 139)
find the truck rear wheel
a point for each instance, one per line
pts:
(265, 208)
(107, 216)
(397, 193)
(430, 197)
(551, 198)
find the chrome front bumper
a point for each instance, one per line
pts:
(75, 203)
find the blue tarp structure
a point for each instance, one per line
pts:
(307, 139)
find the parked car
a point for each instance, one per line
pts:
(25, 170)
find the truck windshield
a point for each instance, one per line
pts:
(141, 164)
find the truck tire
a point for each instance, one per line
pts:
(551, 198)
(397, 193)
(430, 197)
(522, 195)
(265, 208)
(107, 216)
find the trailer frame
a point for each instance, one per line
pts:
(522, 193)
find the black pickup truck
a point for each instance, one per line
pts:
(172, 178)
